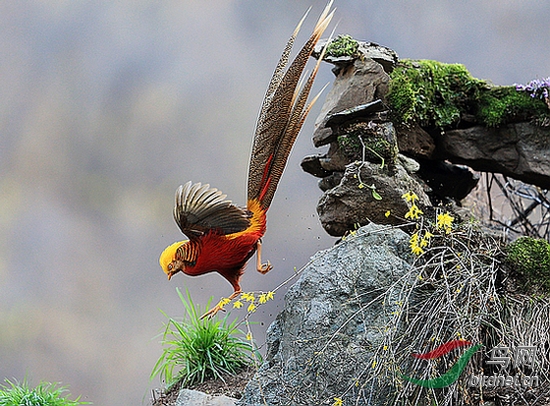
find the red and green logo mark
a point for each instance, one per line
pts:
(452, 374)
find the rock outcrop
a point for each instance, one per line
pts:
(518, 150)
(358, 124)
(324, 340)
(350, 203)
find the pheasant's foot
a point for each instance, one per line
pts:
(261, 268)
(264, 268)
(221, 304)
(212, 312)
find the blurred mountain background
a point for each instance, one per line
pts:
(106, 107)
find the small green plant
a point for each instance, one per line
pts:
(45, 394)
(198, 349)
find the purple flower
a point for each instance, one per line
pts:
(536, 88)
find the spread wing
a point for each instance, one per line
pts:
(200, 208)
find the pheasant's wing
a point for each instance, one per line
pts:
(200, 208)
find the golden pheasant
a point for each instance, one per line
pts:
(222, 236)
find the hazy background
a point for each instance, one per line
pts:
(106, 107)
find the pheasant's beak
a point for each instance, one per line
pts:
(170, 274)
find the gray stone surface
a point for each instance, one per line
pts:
(362, 82)
(332, 321)
(188, 397)
(346, 205)
(520, 150)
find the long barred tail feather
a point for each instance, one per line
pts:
(282, 115)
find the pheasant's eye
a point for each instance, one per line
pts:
(170, 266)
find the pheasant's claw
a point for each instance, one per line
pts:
(265, 268)
(212, 312)
(222, 303)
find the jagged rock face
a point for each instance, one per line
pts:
(361, 82)
(362, 154)
(346, 205)
(356, 125)
(519, 150)
(321, 341)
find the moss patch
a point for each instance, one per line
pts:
(503, 104)
(343, 45)
(380, 144)
(529, 258)
(436, 94)
(430, 92)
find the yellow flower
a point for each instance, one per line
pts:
(413, 213)
(373, 364)
(387, 214)
(338, 402)
(249, 297)
(410, 197)
(249, 336)
(223, 301)
(251, 307)
(444, 222)
(414, 244)
(263, 298)
(238, 304)
(270, 295)
(385, 348)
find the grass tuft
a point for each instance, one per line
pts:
(45, 394)
(196, 350)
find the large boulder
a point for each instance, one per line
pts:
(333, 322)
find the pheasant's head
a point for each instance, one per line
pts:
(168, 261)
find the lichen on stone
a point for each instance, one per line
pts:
(529, 259)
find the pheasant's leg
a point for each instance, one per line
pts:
(220, 306)
(262, 268)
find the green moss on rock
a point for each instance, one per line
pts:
(436, 94)
(530, 260)
(431, 93)
(502, 104)
(343, 45)
(379, 141)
